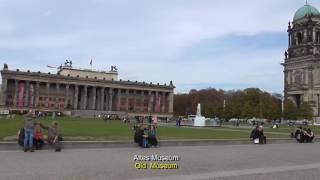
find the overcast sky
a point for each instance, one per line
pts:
(227, 44)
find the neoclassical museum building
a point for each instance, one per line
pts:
(302, 59)
(83, 92)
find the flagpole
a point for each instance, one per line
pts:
(91, 64)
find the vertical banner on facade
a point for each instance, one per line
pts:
(157, 108)
(31, 95)
(21, 94)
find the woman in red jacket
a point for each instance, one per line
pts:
(38, 137)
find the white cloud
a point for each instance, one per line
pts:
(147, 39)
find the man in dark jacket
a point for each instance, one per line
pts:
(138, 135)
(299, 135)
(257, 133)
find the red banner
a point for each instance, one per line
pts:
(21, 94)
(157, 105)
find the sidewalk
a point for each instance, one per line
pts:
(12, 145)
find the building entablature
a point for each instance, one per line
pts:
(59, 79)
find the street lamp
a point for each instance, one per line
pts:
(318, 105)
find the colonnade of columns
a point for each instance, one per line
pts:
(83, 97)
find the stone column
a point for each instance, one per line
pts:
(4, 91)
(150, 104)
(102, 99)
(66, 100)
(31, 95)
(94, 93)
(289, 39)
(75, 99)
(142, 98)
(305, 36)
(16, 92)
(48, 94)
(171, 102)
(26, 97)
(127, 100)
(134, 100)
(156, 102)
(118, 100)
(57, 96)
(36, 99)
(163, 102)
(314, 35)
(110, 99)
(84, 97)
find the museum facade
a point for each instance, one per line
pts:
(83, 92)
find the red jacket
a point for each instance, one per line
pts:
(38, 135)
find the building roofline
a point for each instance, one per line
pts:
(49, 75)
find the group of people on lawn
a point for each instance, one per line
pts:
(303, 135)
(31, 137)
(145, 135)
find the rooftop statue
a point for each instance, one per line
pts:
(5, 66)
(68, 63)
(114, 68)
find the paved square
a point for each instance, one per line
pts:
(230, 162)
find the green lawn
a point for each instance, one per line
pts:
(97, 129)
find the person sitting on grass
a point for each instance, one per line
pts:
(138, 134)
(54, 137)
(152, 138)
(21, 137)
(38, 140)
(145, 137)
(298, 135)
(258, 136)
(308, 134)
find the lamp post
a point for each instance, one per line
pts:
(282, 107)
(318, 105)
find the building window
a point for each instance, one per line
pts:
(299, 37)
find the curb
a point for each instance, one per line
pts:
(12, 145)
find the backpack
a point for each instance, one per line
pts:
(21, 137)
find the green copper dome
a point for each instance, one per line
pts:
(304, 11)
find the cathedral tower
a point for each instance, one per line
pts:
(302, 59)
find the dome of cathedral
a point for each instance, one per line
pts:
(306, 10)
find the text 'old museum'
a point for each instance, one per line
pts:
(83, 92)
